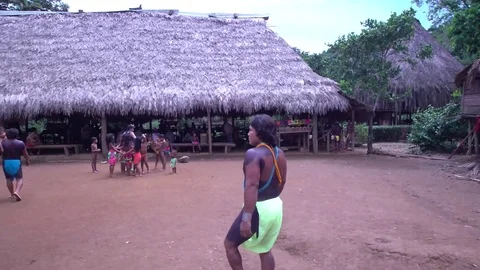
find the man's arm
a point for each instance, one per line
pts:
(25, 155)
(251, 168)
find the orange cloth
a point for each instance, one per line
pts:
(137, 157)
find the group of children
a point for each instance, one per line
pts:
(132, 153)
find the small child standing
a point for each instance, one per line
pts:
(143, 151)
(95, 150)
(112, 153)
(137, 157)
(195, 142)
(173, 160)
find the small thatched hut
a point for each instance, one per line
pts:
(152, 63)
(469, 80)
(422, 83)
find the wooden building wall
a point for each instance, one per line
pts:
(471, 99)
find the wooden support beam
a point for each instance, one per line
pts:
(475, 141)
(315, 134)
(353, 134)
(209, 123)
(104, 135)
(470, 138)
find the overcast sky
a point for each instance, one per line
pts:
(306, 24)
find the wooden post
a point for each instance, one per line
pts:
(475, 139)
(470, 138)
(328, 140)
(353, 134)
(209, 123)
(104, 135)
(315, 134)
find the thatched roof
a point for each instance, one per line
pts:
(153, 63)
(468, 74)
(427, 81)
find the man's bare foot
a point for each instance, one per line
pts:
(17, 197)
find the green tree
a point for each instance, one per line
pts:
(464, 31)
(361, 62)
(30, 5)
(443, 11)
(455, 25)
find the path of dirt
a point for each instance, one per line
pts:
(341, 212)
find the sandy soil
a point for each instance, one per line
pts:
(341, 212)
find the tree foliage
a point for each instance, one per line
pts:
(31, 5)
(361, 60)
(456, 25)
(464, 31)
(441, 12)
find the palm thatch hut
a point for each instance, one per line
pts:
(152, 63)
(421, 82)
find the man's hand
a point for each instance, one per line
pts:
(28, 162)
(246, 229)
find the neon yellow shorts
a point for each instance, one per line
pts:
(270, 214)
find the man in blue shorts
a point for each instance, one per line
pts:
(12, 151)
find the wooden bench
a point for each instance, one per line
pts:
(65, 147)
(227, 145)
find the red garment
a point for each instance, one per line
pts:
(477, 125)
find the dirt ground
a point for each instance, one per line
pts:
(341, 212)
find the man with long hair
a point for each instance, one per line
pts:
(257, 226)
(12, 151)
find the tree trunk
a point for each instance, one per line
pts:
(370, 135)
(370, 128)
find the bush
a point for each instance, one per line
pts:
(390, 133)
(361, 134)
(437, 129)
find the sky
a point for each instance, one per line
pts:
(306, 24)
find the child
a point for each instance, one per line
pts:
(137, 157)
(95, 150)
(143, 151)
(160, 145)
(166, 150)
(195, 142)
(112, 153)
(173, 160)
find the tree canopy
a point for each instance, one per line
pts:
(360, 61)
(31, 5)
(456, 25)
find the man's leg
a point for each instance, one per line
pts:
(10, 186)
(267, 261)
(233, 255)
(18, 188)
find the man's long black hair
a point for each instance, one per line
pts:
(266, 129)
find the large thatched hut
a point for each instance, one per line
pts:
(152, 63)
(421, 82)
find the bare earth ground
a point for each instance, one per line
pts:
(341, 212)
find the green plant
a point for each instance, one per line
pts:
(437, 129)
(390, 133)
(361, 134)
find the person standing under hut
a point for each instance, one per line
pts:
(257, 226)
(12, 151)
